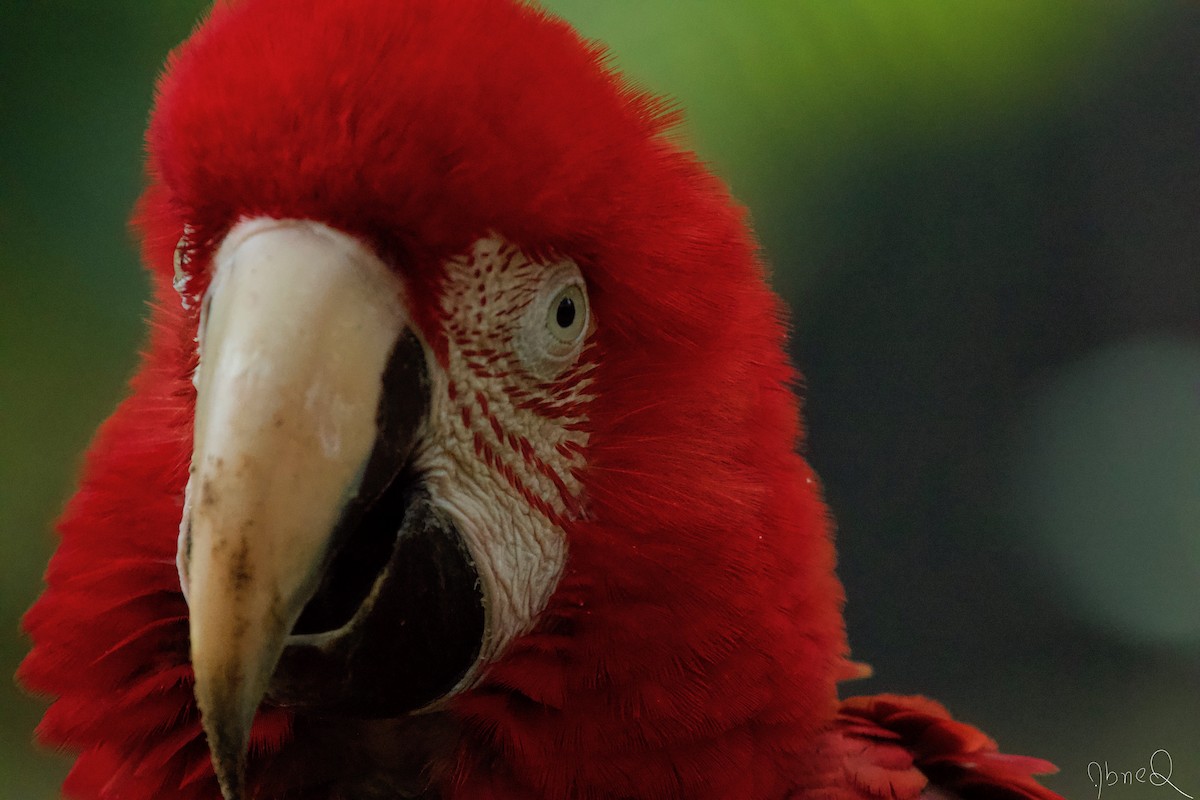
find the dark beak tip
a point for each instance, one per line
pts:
(231, 774)
(228, 742)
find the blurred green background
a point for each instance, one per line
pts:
(986, 217)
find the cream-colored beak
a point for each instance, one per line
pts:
(299, 324)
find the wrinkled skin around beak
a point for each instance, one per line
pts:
(299, 326)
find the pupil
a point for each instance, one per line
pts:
(565, 315)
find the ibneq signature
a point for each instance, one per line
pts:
(1156, 773)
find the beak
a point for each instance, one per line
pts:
(299, 327)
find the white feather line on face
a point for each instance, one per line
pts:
(504, 447)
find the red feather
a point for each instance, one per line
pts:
(889, 747)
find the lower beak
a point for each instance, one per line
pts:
(299, 327)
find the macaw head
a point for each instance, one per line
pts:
(466, 435)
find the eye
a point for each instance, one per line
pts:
(566, 314)
(556, 322)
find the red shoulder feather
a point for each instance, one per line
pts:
(904, 748)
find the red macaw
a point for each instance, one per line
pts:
(466, 467)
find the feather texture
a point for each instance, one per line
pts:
(889, 747)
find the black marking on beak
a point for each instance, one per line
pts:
(358, 553)
(398, 618)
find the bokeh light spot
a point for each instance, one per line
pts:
(1110, 485)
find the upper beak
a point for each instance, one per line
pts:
(299, 326)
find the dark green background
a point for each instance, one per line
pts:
(986, 217)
